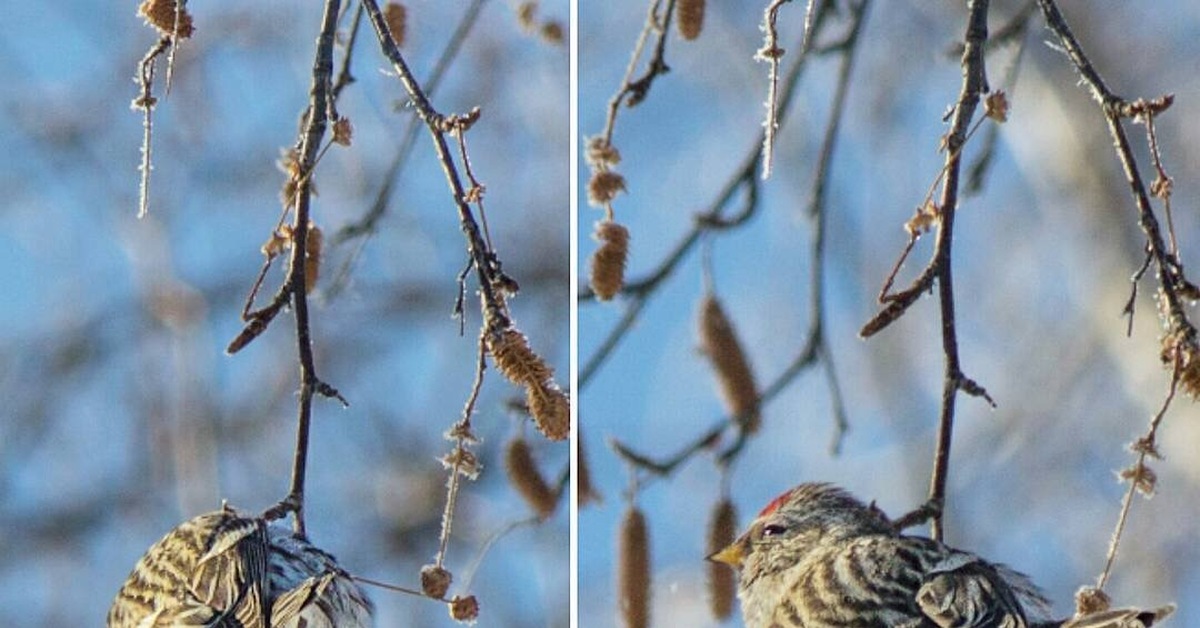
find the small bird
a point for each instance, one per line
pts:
(816, 557)
(227, 570)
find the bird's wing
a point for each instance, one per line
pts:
(328, 600)
(963, 591)
(232, 573)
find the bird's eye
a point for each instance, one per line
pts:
(773, 530)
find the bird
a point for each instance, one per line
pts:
(817, 557)
(224, 569)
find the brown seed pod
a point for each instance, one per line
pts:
(161, 15)
(548, 404)
(608, 262)
(690, 18)
(604, 186)
(464, 609)
(524, 475)
(396, 16)
(633, 573)
(719, 342)
(435, 581)
(722, 584)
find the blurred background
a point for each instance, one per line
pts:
(1042, 261)
(122, 415)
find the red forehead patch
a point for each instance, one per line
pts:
(775, 504)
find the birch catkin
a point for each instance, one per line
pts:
(608, 262)
(721, 583)
(719, 342)
(548, 404)
(524, 475)
(690, 18)
(396, 16)
(633, 570)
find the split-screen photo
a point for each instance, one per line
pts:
(574, 314)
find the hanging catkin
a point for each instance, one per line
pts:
(633, 572)
(721, 583)
(719, 342)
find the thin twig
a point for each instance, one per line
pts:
(310, 145)
(362, 228)
(146, 102)
(1146, 447)
(974, 84)
(1114, 108)
(495, 314)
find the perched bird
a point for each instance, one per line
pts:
(227, 570)
(817, 557)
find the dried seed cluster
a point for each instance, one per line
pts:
(435, 581)
(608, 262)
(548, 404)
(161, 15)
(464, 609)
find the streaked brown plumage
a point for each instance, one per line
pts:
(227, 570)
(818, 558)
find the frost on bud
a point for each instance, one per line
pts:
(548, 404)
(396, 16)
(1144, 479)
(1090, 600)
(601, 155)
(995, 106)
(722, 586)
(464, 461)
(690, 18)
(161, 14)
(524, 475)
(633, 570)
(464, 609)
(926, 216)
(435, 581)
(604, 186)
(608, 262)
(719, 342)
(279, 242)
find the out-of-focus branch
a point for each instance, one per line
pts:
(816, 346)
(1115, 109)
(310, 145)
(720, 214)
(940, 268)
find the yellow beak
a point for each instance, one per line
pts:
(732, 555)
